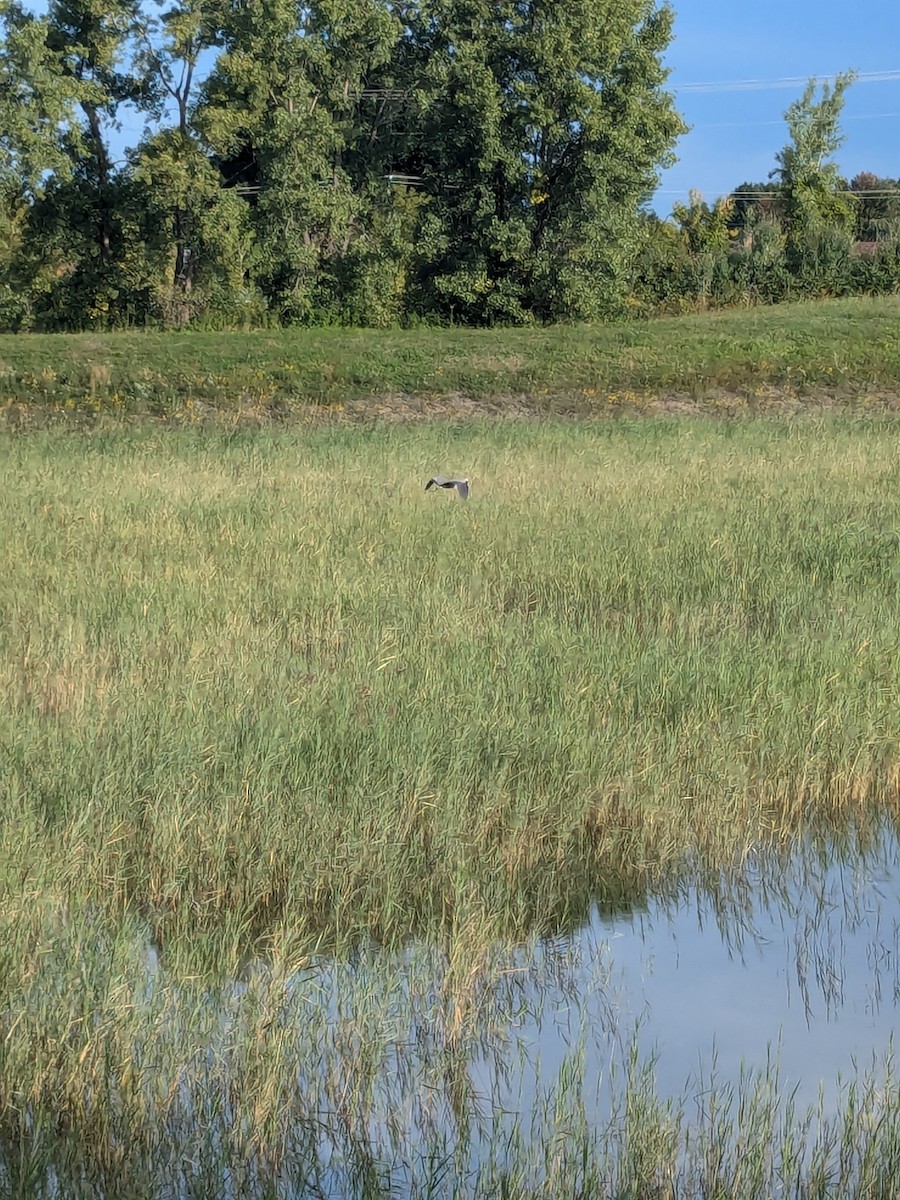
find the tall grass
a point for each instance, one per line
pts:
(265, 683)
(263, 699)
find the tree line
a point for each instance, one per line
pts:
(375, 162)
(803, 232)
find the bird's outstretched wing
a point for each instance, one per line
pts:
(461, 485)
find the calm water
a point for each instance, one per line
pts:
(798, 960)
(395, 1081)
(791, 962)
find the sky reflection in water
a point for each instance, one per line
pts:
(786, 968)
(795, 961)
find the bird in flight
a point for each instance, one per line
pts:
(461, 485)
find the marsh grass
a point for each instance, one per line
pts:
(265, 701)
(356, 1079)
(263, 687)
(736, 361)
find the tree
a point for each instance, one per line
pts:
(37, 103)
(358, 161)
(198, 233)
(708, 234)
(542, 126)
(752, 203)
(878, 206)
(91, 39)
(34, 104)
(706, 227)
(180, 176)
(809, 179)
(287, 114)
(65, 76)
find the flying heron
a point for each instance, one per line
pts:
(461, 485)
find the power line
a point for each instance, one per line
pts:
(753, 85)
(746, 124)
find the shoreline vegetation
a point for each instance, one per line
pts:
(263, 685)
(826, 354)
(371, 1079)
(301, 763)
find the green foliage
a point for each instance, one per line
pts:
(759, 263)
(808, 176)
(877, 206)
(198, 234)
(202, 243)
(659, 281)
(776, 241)
(73, 284)
(477, 162)
(708, 233)
(755, 202)
(707, 228)
(376, 163)
(462, 698)
(36, 102)
(797, 237)
(542, 128)
(287, 94)
(15, 308)
(69, 72)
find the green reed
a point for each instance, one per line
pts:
(263, 700)
(264, 687)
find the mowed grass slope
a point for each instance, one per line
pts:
(831, 350)
(262, 685)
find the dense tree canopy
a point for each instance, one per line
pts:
(384, 161)
(334, 160)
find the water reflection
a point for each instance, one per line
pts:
(796, 956)
(780, 977)
(651, 1043)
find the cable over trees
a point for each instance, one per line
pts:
(371, 162)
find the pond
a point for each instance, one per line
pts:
(731, 1038)
(797, 961)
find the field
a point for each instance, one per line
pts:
(298, 757)
(266, 682)
(727, 361)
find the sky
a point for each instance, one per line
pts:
(736, 133)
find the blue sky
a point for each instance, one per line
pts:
(736, 133)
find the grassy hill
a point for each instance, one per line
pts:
(830, 350)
